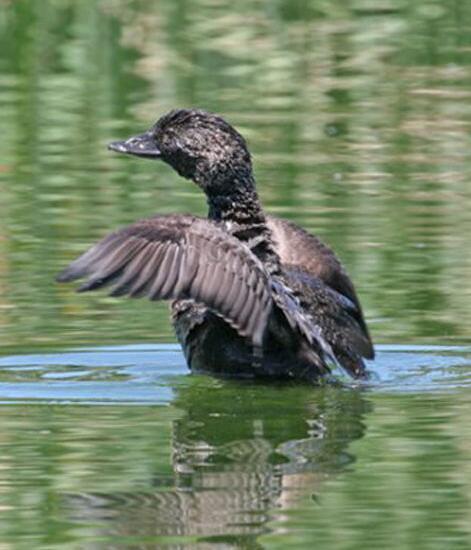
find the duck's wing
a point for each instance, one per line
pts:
(298, 248)
(332, 311)
(180, 257)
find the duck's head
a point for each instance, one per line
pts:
(200, 146)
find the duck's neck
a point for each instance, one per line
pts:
(241, 214)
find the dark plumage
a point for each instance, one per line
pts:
(253, 295)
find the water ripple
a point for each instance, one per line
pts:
(145, 373)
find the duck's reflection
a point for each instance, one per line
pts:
(240, 454)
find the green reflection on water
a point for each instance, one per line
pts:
(234, 463)
(241, 465)
(359, 118)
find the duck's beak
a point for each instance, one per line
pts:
(141, 146)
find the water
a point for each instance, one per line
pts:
(358, 116)
(119, 445)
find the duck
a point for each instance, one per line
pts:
(252, 295)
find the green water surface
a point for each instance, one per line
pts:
(358, 114)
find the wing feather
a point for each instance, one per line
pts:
(145, 278)
(181, 257)
(161, 274)
(298, 248)
(172, 270)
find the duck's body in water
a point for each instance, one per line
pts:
(253, 295)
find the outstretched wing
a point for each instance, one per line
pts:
(180, 257)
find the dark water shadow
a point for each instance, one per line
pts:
(240, 457)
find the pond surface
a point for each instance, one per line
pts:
(119, 446)
(358, 114)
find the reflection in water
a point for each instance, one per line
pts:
(359, 118)
(238, 458)
(117, 444)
